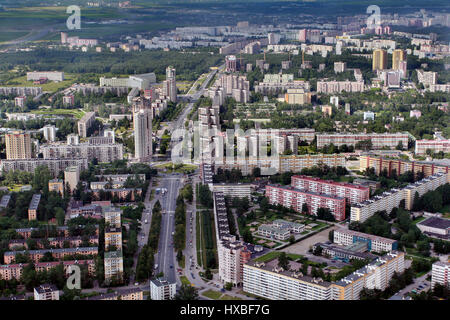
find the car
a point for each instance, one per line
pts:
(136, 283)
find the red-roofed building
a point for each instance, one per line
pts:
(353, 193)
(295, 198)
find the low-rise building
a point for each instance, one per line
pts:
(435, 227)
(34, 207)
(378, 244)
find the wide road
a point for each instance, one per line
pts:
(165, 257)
(179, 122)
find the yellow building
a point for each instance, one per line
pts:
(56, 185)
(379, 59)
(397, 56)
(18, 145)
(113, 237)
(327, 110)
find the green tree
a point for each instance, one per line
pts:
(283, 261)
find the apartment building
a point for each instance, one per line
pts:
(57, 242)
(162, 289)
(34, 207)
(47, 266)
(347, 237)
(339, 86)
(392, 198)
(398, 55)
(353, 193)
(112, 216)
(18, 145)
(21, 91)
(232, 254)
(49, 133)
(440, 274)
(36, 255)
(379, 140)
(274, 84)
(340, 67)
(113, 238)
(295, 198)
(72, 177)
(375, 275)
(11, 271)
(400, 166)
(437, 145)
(123, 194)
(46, 292)
(56, 185)
(126, 294)
(85, 123)
(267, 280)
(49, 75)
(113, 265)
(427, 184)
(385, 201)
(426, 77)
(141, 81)
(379, 59)
(142, 124)
(233, 190)
(62, 231)
(297, 96)
(103, 151)
(4, 202)
(440, 87)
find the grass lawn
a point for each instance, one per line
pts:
(419, 219)
(184, 280)
(77, 113)
(198, 239)
(227, 297)
(181, 262)
(446, 211)
(274, 254)
(50, 86)
(212, 294)
(11, 35)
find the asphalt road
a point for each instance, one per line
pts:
(165, 257)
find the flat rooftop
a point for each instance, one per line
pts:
(436, 222)
(270, 266)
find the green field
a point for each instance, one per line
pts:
(50, 86)
(184, 280)
(274, 254)
(77, 113)
(212, 294)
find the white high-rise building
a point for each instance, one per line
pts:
(440, 274)
(49, 133)
(142, 122)
(170, 85)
